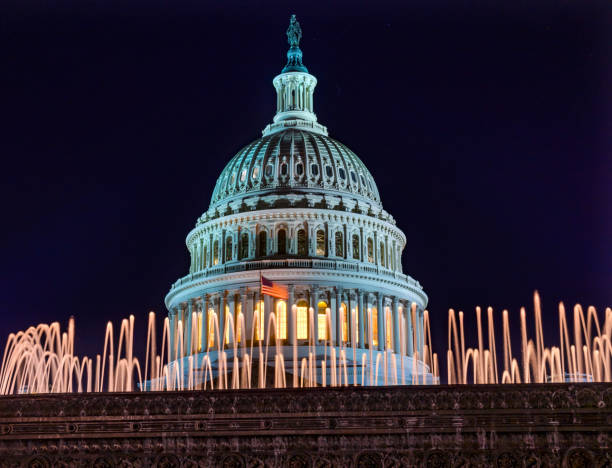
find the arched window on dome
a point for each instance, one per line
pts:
(382, 254)
(302, 243)
(284, 169)
(299, 169)
(370, 250)
(243, 246)
(205, 257)
(262, 244)
(321, 243)
(282, 242)
(339, 241)
(302, 320)
(355, 247)
(228, 249)
(216, 252)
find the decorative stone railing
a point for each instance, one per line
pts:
(533, 425)
(328, 264)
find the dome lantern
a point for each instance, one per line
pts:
(294, 90)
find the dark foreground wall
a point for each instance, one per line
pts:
(502, 426)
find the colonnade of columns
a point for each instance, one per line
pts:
(372, 319)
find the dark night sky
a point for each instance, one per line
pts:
(487, 129)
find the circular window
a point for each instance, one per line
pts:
(341, 173)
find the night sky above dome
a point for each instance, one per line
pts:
(486, 131)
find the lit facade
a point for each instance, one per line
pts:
(302, 209)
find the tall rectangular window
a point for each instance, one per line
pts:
(302, 322)
(281, 320)
(321, 243)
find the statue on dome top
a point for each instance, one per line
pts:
(294, 32)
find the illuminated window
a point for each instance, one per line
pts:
(226, 330)
(321, 243)
(355, 247)
(389, 337)
(382, 254)
(211, 328)
(255, 174)
(322, 320)
(302, 320)
(370, 251)
(243, 175)
(243, 246)
(339, 244)
(302, 244)
(281, 320)
(228, 249)
(259, 311)
(238, 327)
(345, 323)
(282, 242)
(262, 244)
(216, 253)
(374, 326)
(199, 328)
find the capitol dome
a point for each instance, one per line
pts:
(300, 210)
(295, 162)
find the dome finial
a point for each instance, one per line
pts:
(294, 32)
(294, 54)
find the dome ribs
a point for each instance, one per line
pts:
(318, 154)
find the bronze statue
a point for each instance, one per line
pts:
(294, 32)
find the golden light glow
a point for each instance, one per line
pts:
(374, 326)
(238, 328)
(226, 331)
(322, 320)
(302, 320)
(344, 317)
(199, 328)
(211, 330)
(259, 330)
(281, 320)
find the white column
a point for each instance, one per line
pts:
(381, 323)
(362, 319)
(396, 326)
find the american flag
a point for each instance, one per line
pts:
(273, 289)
